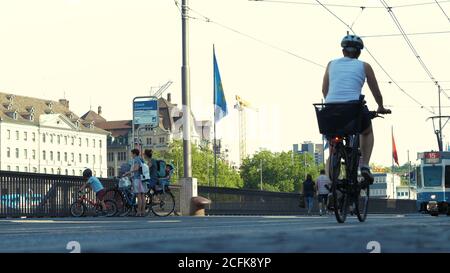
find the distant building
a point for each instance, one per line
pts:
(405, 192)
(44, 136)
(383, 187)
(316, 150)
(170, 127)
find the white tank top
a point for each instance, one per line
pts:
(346, 79)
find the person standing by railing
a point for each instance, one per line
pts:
(308, 193)
(139, 188)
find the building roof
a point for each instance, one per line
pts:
(28, 111)
(93, 116)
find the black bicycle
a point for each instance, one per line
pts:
(341, 124)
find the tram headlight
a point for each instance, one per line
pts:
(433, 196)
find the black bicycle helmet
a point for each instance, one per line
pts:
(87, 173)
(352, 43)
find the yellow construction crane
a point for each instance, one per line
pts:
(241, 106)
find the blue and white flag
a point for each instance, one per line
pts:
(220, 104)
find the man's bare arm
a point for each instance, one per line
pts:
(325, 83)
(373, 84)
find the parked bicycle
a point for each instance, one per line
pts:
(84, 204)
(159, 199)
(341, 124)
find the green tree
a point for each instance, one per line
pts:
(283, 172)
(202, 165)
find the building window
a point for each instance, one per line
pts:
(51, 138)
(93, 159)
(87, 142)
(100, 143)
(65, 140)
(59, 171)
(17, 168)
(73, 172)
(161, 140)
(53, 171)
(33, 137)
(65, 157)
(8, 134)
(17, 152)
(34, 154)
(34, 169)
(87, 159)
(25, 136)
(26, 169)
(43, 138)
(73, 157)
(17, 135)
(58, 156)
(73, 141)
(25, 153)
(51, 155)
(81, 173)
(79, 141)
(79, 158)
(149, 141)
(45, 170)
(59, 139)
(93, 143)
(8, 152)
(43, 155)
(67, 172)
(8, 168)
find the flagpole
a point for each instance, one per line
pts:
(392, 156)
(215, 141)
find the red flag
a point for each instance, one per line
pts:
(394, 150)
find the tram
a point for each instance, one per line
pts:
(433, 182)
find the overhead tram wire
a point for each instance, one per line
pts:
(209, 20)
(409, 34)
(349, 6)
(378, 63)
(409, 43)
(443, 11)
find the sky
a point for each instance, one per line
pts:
(105, 52)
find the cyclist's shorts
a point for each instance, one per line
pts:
(366, 122)
(100, 194)
(322, 198)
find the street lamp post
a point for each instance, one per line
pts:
(261, 175)
(189, 184)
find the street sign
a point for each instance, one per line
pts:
(145, 112)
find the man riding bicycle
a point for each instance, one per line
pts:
(343, 82)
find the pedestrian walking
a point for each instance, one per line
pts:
(322, 185)
(308, 193)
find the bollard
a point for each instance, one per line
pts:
(198, 204)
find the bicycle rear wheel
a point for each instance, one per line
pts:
(362, 203)
(110, 208)
(339, 192)
(116, 195)
(162, 203)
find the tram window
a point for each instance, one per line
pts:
(432, 176)
(419, 178)
(447, 176)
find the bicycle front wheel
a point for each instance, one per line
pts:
(77, 209)
(362, 203)
(339, 192)
(162, 203)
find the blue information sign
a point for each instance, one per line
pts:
(146, 113)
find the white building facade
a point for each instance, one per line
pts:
(39, 136)
(385, 185)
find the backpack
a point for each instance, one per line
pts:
(161, 168)
(145, 171)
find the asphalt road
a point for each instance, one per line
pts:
(387, 233)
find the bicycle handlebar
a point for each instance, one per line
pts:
(375, 114)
